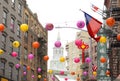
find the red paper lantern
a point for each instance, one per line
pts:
(45, 79)
(35, 44)
(78, 42)
(49, 26)
(46, 58)
(118, 37)
(102, 59)
(107, 72)
(2, 27)
(72, 73)
(110, 21)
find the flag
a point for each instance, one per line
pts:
(94, 8)
(93, 26)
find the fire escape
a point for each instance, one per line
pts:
(114, 49)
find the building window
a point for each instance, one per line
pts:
(26, 19)
(12, 24)
(3, 44)
(25, 54)
(13, 4)
(19, 9)
(2, 65)
(26, 37)
(11, 70)
(5, 18)
(17, 74)
(18, 51)
(6, 1)
(25, 70)
(18, 29)
(11, 47)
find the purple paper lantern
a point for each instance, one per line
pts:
(76, 60)
(85, 73)
(57, 44)
(33, 76)
(14, 54)
(17, 66)
(80, 24)
(24, 73)
(39, 69)
(78, 42)
(30, 56)
(49, 26)
(53, 78)
(88, 60)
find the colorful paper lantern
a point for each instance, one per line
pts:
(103, 60)
(110, 21)
(35, 44)
(77, 60)
(45, 79)
(14, 54)
(33, 76)
(50, 71)
(103, 39)
(39, 69)
(39, 76)
(46, 58)
(80, 24)
(16, 44)
(28, 68)
(118, 37)
(78, 42)
(24, 73)
(17, 66)
(24, 27)
(72, 73)
(62, 59)
(107, 72)
(2, 27)
(53, 78)
(66, 79)
(94, 73)
(94, 68)
(1, 51)
(85, 73)
(57, 44)
(88, 60)
(78, 78)
(49, 26)
(61, 72)
(30, 56)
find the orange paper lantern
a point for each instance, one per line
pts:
(78, 79)
(46, 58)
(35, 44)
(72, 73)
(107, 72)
(102, 59)
(2, 27)
(28, 68)
(118, 37)
(45, 79)
(110, 21)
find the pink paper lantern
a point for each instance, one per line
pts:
(30, 56)
(61, 72)
(53, 78)
(78, 42)
(39, 69)
(33, 76)
(76, 60)
(57, 44)
(14, 54)
(66, 79)
(80, 24)
(49, 26)
(88, 60)
(85, 73)
(24, 73)
(17, 66)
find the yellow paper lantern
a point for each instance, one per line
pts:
(103, 39)
(24, 27)
(1, 51)
(39, 76)
(94, 73)
(16, 44)
(62, 59)
(50, 71)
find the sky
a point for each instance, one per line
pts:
(62, 13)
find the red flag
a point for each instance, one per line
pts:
(94, 8)
(93, 26)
